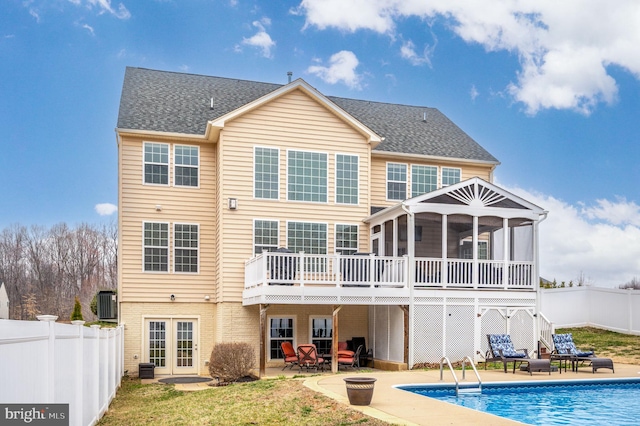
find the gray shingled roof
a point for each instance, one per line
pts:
(180, 103)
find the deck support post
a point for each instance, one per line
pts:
(405, 310)
(263, 339)
(335, 338)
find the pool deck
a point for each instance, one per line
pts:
(404, 408)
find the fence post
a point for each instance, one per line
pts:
(96, 349)
(79, 353)
(51, 356)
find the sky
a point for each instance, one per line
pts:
(551, 89)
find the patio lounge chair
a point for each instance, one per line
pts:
(346, 360)
(308, 357)
(501, 349)
(290, 355)
(565, 349)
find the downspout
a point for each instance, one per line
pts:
(410, 277)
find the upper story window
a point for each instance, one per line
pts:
(307, 176)
(156, 247)
(450, 176)
(265, 235)
(423, 179)
(346, 239)
(185, 247)
(266, 176)
(346, 179)
(396, 181)
(156, 163)
(186, 167)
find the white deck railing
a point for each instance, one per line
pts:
(302, 269)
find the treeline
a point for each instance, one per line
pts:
(45, 269)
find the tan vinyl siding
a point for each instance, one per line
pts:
(379, 174)
(296, 122)
(179, 205)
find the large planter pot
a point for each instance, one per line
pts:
(360, 390)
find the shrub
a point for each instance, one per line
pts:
(94, 304)
(231, 361)
(77, 311)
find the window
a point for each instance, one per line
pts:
(266, 177)
(157, 343)
(346, 179)
(186, 248)
(322, 333)
(396, 181)
(265, 235)
(280, 330)
(310, 238)
(156, 247)
(346, 239)
(423, 179)
(187, 159)
(450, 176)
(307, 176)
(156, 163)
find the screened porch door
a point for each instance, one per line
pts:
(171, 344)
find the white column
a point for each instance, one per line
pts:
(474, 247)
(444, 278)
(505, 252)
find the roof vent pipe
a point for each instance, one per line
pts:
(211, 107)
(424, 116)
(289, 74)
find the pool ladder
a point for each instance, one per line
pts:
(473, 387)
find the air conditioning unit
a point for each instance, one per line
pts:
(107, 305)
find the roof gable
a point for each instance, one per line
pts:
(475, 193)
(217, 124)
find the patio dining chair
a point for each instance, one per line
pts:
(308, 357)
(290, 355)
(501, 349)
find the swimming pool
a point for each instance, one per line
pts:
(596, 402)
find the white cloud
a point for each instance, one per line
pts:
(261, 39)
(408, 52)
(105, 6)
(606, 250)
(473, 92)
(88, 28)
(564, 48)
(342, 68)
(106, 209)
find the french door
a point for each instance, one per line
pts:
(172, 345)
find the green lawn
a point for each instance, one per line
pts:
(263, 402)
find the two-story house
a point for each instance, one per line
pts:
(265, 213)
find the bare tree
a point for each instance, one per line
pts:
(45, 269)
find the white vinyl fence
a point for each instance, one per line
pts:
(607, 308)
(49, 362)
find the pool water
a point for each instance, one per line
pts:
(596, 402)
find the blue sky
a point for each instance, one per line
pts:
(549, 88)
